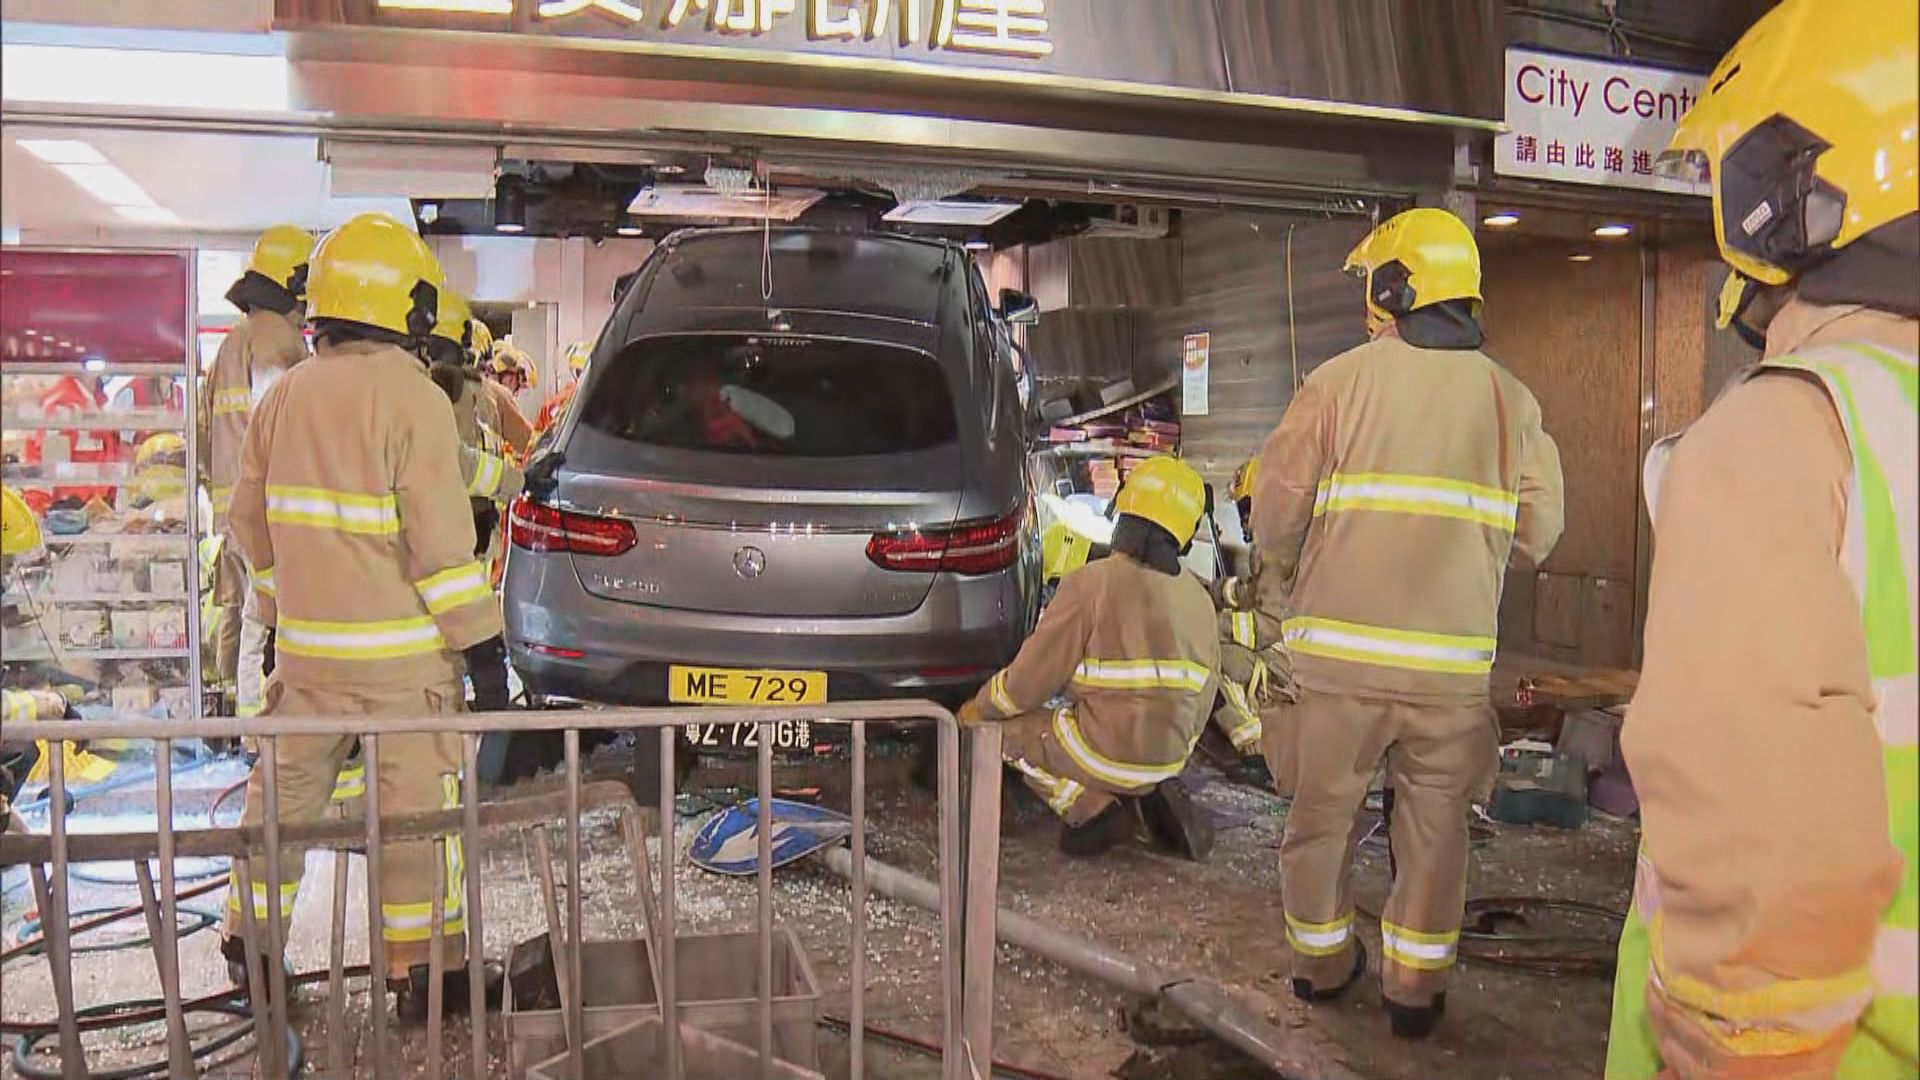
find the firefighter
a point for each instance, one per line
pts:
(578, 354)
(1773, 736)
(1130, 639)
(19, 535)
(1403, 477)
(351, 510)
(271, 296)
(492, 480)
(1255, 671)
(507, 370)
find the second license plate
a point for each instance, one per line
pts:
(787, 735)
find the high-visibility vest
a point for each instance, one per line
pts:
(1873, 390)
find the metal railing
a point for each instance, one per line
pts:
(966, 925)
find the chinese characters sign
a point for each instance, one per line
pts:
(1196, 355)
(1014, 28)
(1592, 121)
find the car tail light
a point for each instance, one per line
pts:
(980, 547)
(538, 527)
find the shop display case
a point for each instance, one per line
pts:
(97, 422)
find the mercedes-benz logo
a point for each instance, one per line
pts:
(749, 562)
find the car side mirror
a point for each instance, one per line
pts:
(1018, 308)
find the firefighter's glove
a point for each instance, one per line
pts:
(487, 668)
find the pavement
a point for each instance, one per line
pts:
(1221, 919)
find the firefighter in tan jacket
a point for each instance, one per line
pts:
(351, 509)
(1255, 671)
(1404, 476)
(1130, 640)
(271, 296)
(491, 476)
(1775, 736)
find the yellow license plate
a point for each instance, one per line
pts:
(732, 686)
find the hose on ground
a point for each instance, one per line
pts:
(83, 925)
(124, 1014)
(156, 1013)
(28, 932)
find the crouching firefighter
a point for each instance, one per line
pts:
(351, 510)
(1130, 641)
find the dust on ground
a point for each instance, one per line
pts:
(1220, 919)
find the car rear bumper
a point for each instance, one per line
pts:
(966, 630)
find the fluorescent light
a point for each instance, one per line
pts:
(509, 227)
(701, 201)
(1582, 257)
(148, 78)
(979, 245)
(148, 215)
(62, 151)
(108, 184)
(33, 333)
(1501, 220)
(1609, 232)
(94, 365)
(630, 230)
(951, 212)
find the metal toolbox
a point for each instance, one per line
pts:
(716, 975)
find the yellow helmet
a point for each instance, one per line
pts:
(1413, 259)
(19, 528)
(281, 255)
(1806, 132)
(508, 357)
(1167, 492)
(577, 355)
(1245, 477)
(480, 341)
(376, 272)
(160, 466)
(454, 322)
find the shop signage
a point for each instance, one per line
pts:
(1196, 355)
(1003, 27)
(1583, 121)
(1178, 48)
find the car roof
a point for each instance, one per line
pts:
(878, 275)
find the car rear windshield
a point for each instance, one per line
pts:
(791, 397)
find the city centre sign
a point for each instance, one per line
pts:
(1584, 121)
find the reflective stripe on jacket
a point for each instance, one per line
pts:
(1392, 495)
(1138, 652)
(1873, 392)
(256, 351)
(351, 508)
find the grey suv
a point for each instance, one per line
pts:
(794, 472)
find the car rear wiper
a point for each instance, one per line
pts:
(543, 474)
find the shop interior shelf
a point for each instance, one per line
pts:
(1095, 450)
(167, 369)
(72, 472)
(1124, 403)
(129, 542)
(41, 652)
(124, 420)
(15, 596)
